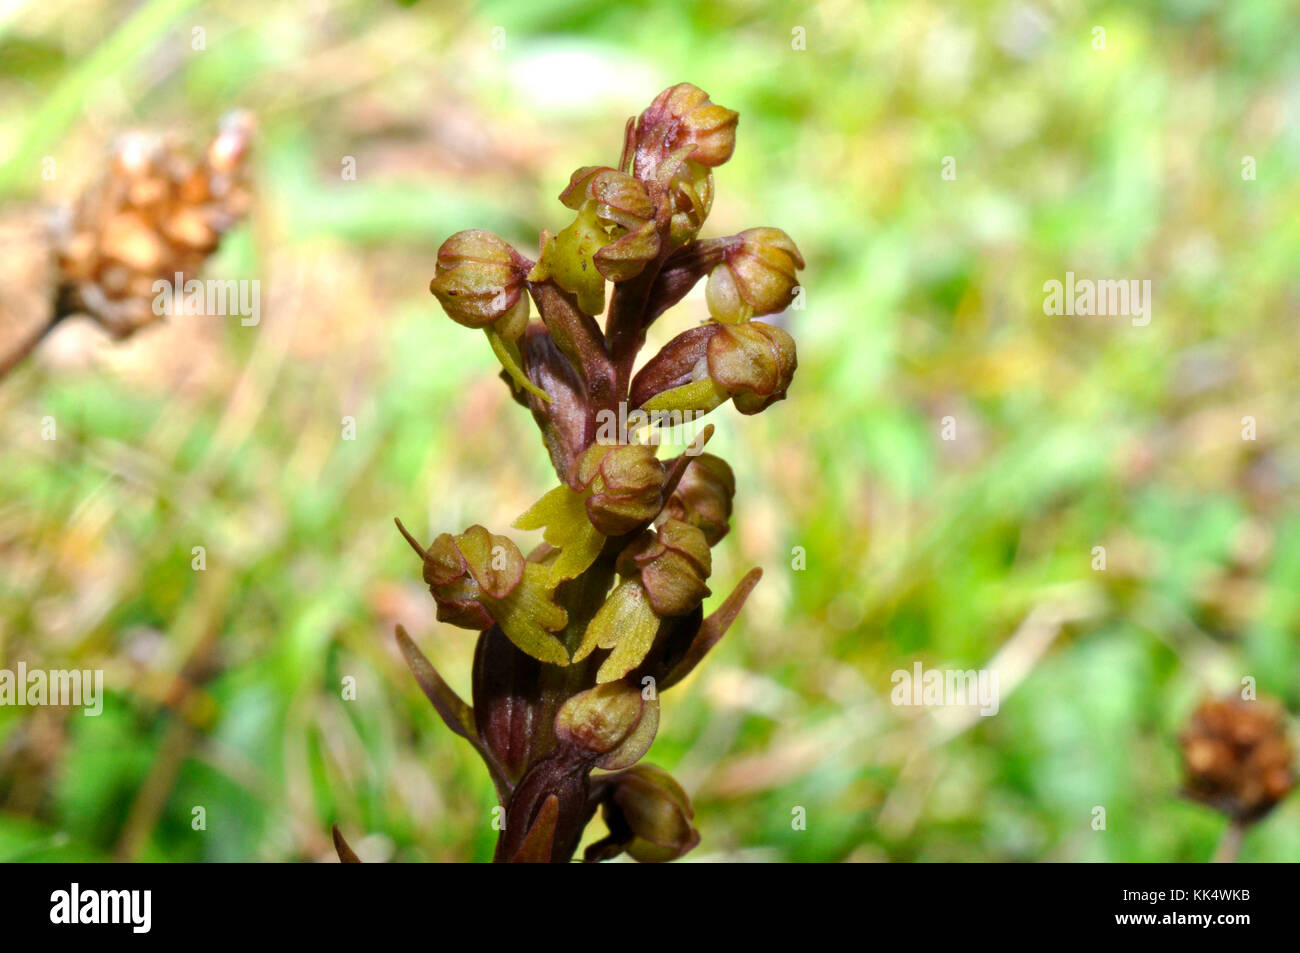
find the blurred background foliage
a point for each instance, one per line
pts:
(924, 300)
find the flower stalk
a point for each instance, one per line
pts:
(577, 638)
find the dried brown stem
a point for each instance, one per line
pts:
(1229, 848)
(27, 345)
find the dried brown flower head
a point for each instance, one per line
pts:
(1237, 757)
(153, 215)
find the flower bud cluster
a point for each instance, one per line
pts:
(614, 594)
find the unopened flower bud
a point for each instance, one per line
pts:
(753, 362)
(478, 578)
(480, 283)
(691, 195)
(620, 199)
(461, 569)
(673, 564)
(703, 497)
(625, 480)
(612, 724)
(684, 115)
(612, 237)
(757, 277)
(649, 817)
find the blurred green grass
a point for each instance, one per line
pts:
(924, 300)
